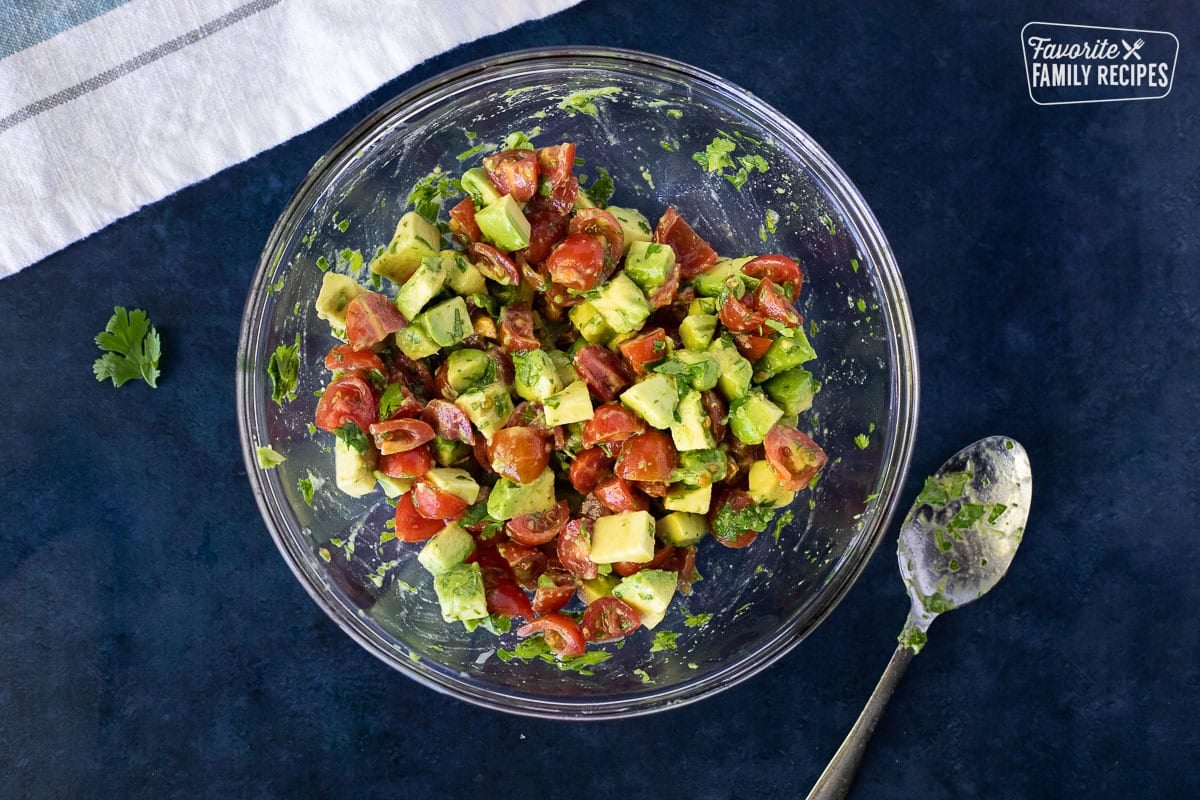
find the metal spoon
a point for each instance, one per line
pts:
(955, 545)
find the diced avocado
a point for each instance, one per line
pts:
(415, 238)
(448, 547)
(392, 487)
(764, 486)
(461, 275)
(696, 330)
(696, 368)
(457, 482)
(735, 370)
(448, 452)
(337, 291)
(792, 390)
(489, 408)
(535, 377)
(634, 225)
(703, 305)
(784, 353)
(415, 343)
(694, 500)
(622, 304)
(701, 467)
(752, 415)
(649, 263)
(649, 592)
(600, 586)
(354, 471)
(725, 276)
(654, 399)
(692, 430)
(425, 282)
(476, 183)
(448, 322)
(509, 499)
(460, 593)
(626, 536)
(681, 529)
(468, 368)
(572, 404)
(590, 323)
(504, 224)
(565, 367)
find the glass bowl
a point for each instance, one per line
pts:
(644, 119)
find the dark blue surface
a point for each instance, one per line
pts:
(154, 644)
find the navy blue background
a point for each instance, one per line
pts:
(154, 644)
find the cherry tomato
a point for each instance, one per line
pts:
(462, 222)
(793, 456)
(601, 223)
(617, 495)
(737, 317)
(609, 618)
(545, 229)
(715, 406)
(401, 435)
(540, 527)
(737, 499)
(527, 563)
(370, 317)
(412, 373)
(449, 421)
(556, 162)
(561, 633)
(516, 329)
(602, 371)
(411, 464)
(575, 547)
(694, 255)
(554, 590)
(578, 262)
(661, 556)
(513, 172)
(611, 422)
(434, 503)
(344, 358)
(773, 305)
(347, 399)
(411, 526)
(752, 347)
(646, 350)
(506, 599)
(408, 407)
(589, 468)
(649, 456)
(495, 264)
(778, 268)
(683, 562)
(665, 294)
(519, 454)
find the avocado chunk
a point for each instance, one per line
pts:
(590, 323)
(535, 377)
(654, 399)
(462, 276)
(701, 467)
(572, 404)
(703, 305)
(692, 431)
(504, 224)
(725, 276)
(392, 487)
(696, 331)
(565, 367)
(488, 408)
(622, 304)
(600, 586)
(793, 390)
(634, 225)
(460, 593)
(468, 368)
(735, 370)
(354, 472)
(696, 368)
(625, 536)
(764, 486)
(415, 343)
(415, 239)
(752, 415)
(509, 499)
(425, 282)
(448, 547)
(448, 452)
(649, 592)
(649, 263)
(784, 353)
(448, 322)
(681, 529)
(478, 185)
(337, 291)
(692, 499)
(457, 482)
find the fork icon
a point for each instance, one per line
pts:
(1133, 50)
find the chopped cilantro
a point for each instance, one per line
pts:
(940, 491)
(284, 369)
(697, 620)
(133, 349)
(730, 524)
(392, 399)
(784, 520)
(664, 640)
(428, 193)
(352, 436)
(602, 188)
(268, 458)
(308, 486)
(584, 102)
(465, 154)
(643, 676)
(517, 140)
(862, 441)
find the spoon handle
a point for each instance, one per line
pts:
(835, 781)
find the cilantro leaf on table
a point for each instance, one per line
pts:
(133, 349)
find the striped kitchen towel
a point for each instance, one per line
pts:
(107, 105)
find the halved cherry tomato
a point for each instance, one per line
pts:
(401, 435)
(545, 228)
(495, 264)
(693, 253)
(644, 351)
(539, 527)
(602, 371)
(560, 632)
(773, 305)
(683, 562)
(601, 223)
(608, 618)
(554, 590)
(411, 464)
(737, 499)
(516, 329)
(575, 547)
(661, 556)
(411, 526)
(412, 373)
(752, 347)
(579, 261)
(434, 503)
(611, 422)
(556, 162)
(344, 358)
(649, 456)
(793, 456)
(519, 454)
(527, 563)
(617, 495)
(717, 412)
(778, 268)
(506, 599)
(513, 172)
(347, 399)
(589, 468)
(737, 317)
(370, 317)
(449, 421)
(462, 222)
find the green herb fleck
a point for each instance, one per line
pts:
(862, 441)
(664, 640)
(643, 676)
(730, 524)
(602, 188)
(268, 458)
(584, 102)
(308, 486)
(284, 369)
(352, 436)
(697, 620)
(465, 154)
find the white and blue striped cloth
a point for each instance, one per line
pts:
(107, 105)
